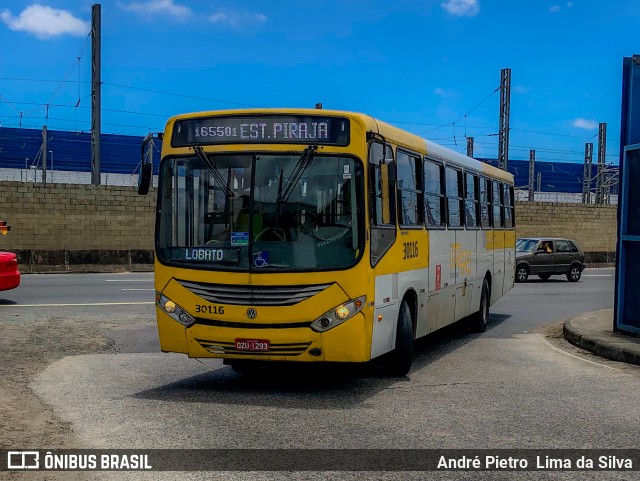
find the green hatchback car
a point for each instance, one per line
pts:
(546, 257)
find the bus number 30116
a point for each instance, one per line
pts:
(410, 250)
(201, 308)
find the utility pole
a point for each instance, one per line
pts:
(539, 189)
(602, 153)
(532, 162)
(95, 93)
(44, 154)
(586, 174)
(505, 108)
(469, 146)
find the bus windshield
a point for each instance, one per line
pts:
(248, 212)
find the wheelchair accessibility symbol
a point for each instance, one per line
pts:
(261, 259)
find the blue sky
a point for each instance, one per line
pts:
(429, 66)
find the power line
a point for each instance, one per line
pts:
(465, 115)
(180, 95)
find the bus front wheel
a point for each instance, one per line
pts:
(399, 361)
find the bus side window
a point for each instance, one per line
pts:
(496, 197)
(508, 206)
(434, 200)
(485, 203)
(453, 179)
(382, 202)
(471, 200)
(409, 189)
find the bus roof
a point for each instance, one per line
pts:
(396, 135)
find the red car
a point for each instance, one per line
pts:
(9, 274)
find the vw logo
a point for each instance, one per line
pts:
(252, 313)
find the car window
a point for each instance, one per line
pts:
(574, 247)
(545, 247)
(526, 245)
(562, 246)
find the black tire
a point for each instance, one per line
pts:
(575, 273)
(398, 362)
(544, 277)
(480, 319)
(522, 273)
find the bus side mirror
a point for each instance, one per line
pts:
(146, 164)
(144, 178)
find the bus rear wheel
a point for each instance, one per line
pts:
(480, 319)
(398, 362)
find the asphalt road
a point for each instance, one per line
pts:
(64, 290)
(510, 387)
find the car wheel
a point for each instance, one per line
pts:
(480, 319)
(398, 362)
(575, 273)
(544, 277)
(522, 273)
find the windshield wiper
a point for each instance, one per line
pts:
(217, 178)
(303, 163)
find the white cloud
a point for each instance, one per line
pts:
(158, 7)
(45, 22)
(585, 124)
(554, 8)
(236, 18)
(462, 8)
(520, 89)
(443, 93)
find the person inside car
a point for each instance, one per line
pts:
(546, 248)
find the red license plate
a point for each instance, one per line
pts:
(261, 345)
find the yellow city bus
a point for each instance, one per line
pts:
(321, 235)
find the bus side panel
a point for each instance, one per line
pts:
(498, 265)
(489, 243)
(442, 288)
(402, 268)
(465, 270)
(510, 260)
(386, 305)
(484, 264)
(389, 291)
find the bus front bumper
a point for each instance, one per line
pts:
(346, 342)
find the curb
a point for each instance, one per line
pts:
(597, 346)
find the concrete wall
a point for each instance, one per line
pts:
(77, 227)
(81, 227)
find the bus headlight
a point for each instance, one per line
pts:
(174, 311)
(338, 315)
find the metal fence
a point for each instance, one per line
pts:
(562, 197)
(69, 177)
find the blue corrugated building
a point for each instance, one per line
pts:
(120, 154)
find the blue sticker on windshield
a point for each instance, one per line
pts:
(239, 239)
(261, 259)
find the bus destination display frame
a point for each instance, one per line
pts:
(261, 129)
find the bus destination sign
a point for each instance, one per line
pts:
(261, 129)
